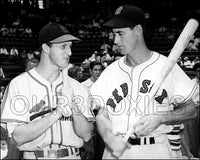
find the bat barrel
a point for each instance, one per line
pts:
(183, 39)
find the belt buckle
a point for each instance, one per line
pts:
(134, 141)
(52, 154)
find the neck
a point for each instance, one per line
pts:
(48, 72)
(137, 58)
(92, 79)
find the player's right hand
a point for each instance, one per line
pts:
(65, 110)
(64, 106)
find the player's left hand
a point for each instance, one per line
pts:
(147, 124)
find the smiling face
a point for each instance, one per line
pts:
(60, 53)
(126, 39)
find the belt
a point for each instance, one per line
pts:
(60, 153)
(138, 141)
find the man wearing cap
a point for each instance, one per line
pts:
(45, 119)
(122, 93)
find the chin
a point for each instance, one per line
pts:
(123, 52)
(63, 66)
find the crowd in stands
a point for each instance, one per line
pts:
(162, 38)
(16, 30)
(88, 27)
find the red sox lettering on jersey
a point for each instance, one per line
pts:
(126, 89)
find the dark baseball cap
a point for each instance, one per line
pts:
(55, 33)
(126, 16)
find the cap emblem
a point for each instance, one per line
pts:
(63, 29)
(118, 10)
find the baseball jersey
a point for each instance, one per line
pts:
(123, 91)
(30, 97)
(87, 83)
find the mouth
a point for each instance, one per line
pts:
(120, 48)
(67, 58)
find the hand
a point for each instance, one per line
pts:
(117, 145)
(65, 101)
(64, 110)
(147, 124)
(4, 149)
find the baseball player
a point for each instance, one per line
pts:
(122, 93)
(95, 71)
(45, 119)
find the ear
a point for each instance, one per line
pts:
(45, 48)
(139, 29)
(90, 71)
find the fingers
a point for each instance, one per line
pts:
(64, 111)
(143, 129)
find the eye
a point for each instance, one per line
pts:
(65, 46)
(120, 33)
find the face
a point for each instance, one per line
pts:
(126, 39)
(60, 54)
(96, 71)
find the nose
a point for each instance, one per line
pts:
(68, 51)
(98, 71)
(116, 39)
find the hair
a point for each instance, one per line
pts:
(47, 43)
(94, 63)
(76, 73)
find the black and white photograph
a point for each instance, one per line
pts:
(99, 79)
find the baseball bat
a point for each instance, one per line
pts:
(64, 77)
(173, 56)
(67, 92)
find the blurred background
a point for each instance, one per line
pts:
(21, 20)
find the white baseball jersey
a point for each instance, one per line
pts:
(30, 97)
(87, 83)
(124, 90)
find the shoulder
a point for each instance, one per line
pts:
(86, 81)
(20, 78)
(159, 57)
(111, 68)
(73, 81)
(76, 85)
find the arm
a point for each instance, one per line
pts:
(82, 127)
(114, 142)
(27, 132)
(181, 113)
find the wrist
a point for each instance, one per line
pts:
(108, 136)
(163, 118)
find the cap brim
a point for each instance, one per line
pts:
(118, 23)
(65, 38)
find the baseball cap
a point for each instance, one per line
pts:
(55, 33)
(126, 16)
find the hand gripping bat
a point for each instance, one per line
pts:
(173, 56)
